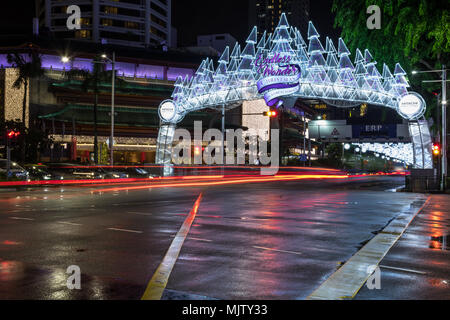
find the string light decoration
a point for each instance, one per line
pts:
(401, 152)
(334, 79)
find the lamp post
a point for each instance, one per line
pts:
(66, 59)
(444, 81)
(111, 138)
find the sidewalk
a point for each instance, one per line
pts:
(418, 266)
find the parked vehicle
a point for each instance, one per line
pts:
(41, 172)
(136, 172)
(113, 174)
(15, 170)
(75, 171)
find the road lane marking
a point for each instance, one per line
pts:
(70, 223)
(17, 218)
(402, 269)
(199, 239)
(124, 230)
(196, 239)
(346, 282)
(140, 213)
(158, 283)
(276, 250)
(396, 189)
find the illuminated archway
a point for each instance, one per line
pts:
(283, 66)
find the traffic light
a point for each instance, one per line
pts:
(436, 149)
(270, 114)
(12, 136)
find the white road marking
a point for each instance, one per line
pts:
(195, 239)
(125, 230)
(254, 219)
(276, 250)
(17, 218)
(395, 189)
(140, 213)
(349, 279)
(402, 269)
(70, 223)
(160, 278)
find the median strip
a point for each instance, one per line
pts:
(158, 282)
(348, 280)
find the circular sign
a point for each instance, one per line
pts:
(411, 106)
(167, 111)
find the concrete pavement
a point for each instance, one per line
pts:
(417, 267)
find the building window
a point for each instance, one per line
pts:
(158, 33)
(131, 25)
(158, 9)
(157, 20)
(110, 10)
(107, 22)
(83, 34)
(85, 21)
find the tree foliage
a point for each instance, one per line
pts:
(415, 33)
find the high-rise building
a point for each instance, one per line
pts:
(265, 14)
(137, 23)
(216, 41)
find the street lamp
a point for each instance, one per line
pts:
(65, 59)
(111, 139)
(444, 119)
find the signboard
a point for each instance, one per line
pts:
(411, 106)
(167, 110)
(303, 158)
(375, 131)
(340, 131)
(329, 129)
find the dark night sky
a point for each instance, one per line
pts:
(193, 18)
(16, 17)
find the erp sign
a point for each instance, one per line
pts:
(280, 77)
(374, 131)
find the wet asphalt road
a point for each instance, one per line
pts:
(418, 265)
(276, 240)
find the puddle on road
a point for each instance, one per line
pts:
(11, 270)
(439, 243)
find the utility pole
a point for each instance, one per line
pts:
(223, 135)
(8, 157)
(111, 140)
(281, 135)
(444, 128)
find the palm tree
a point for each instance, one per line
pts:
(91, 82)
(27, 69)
